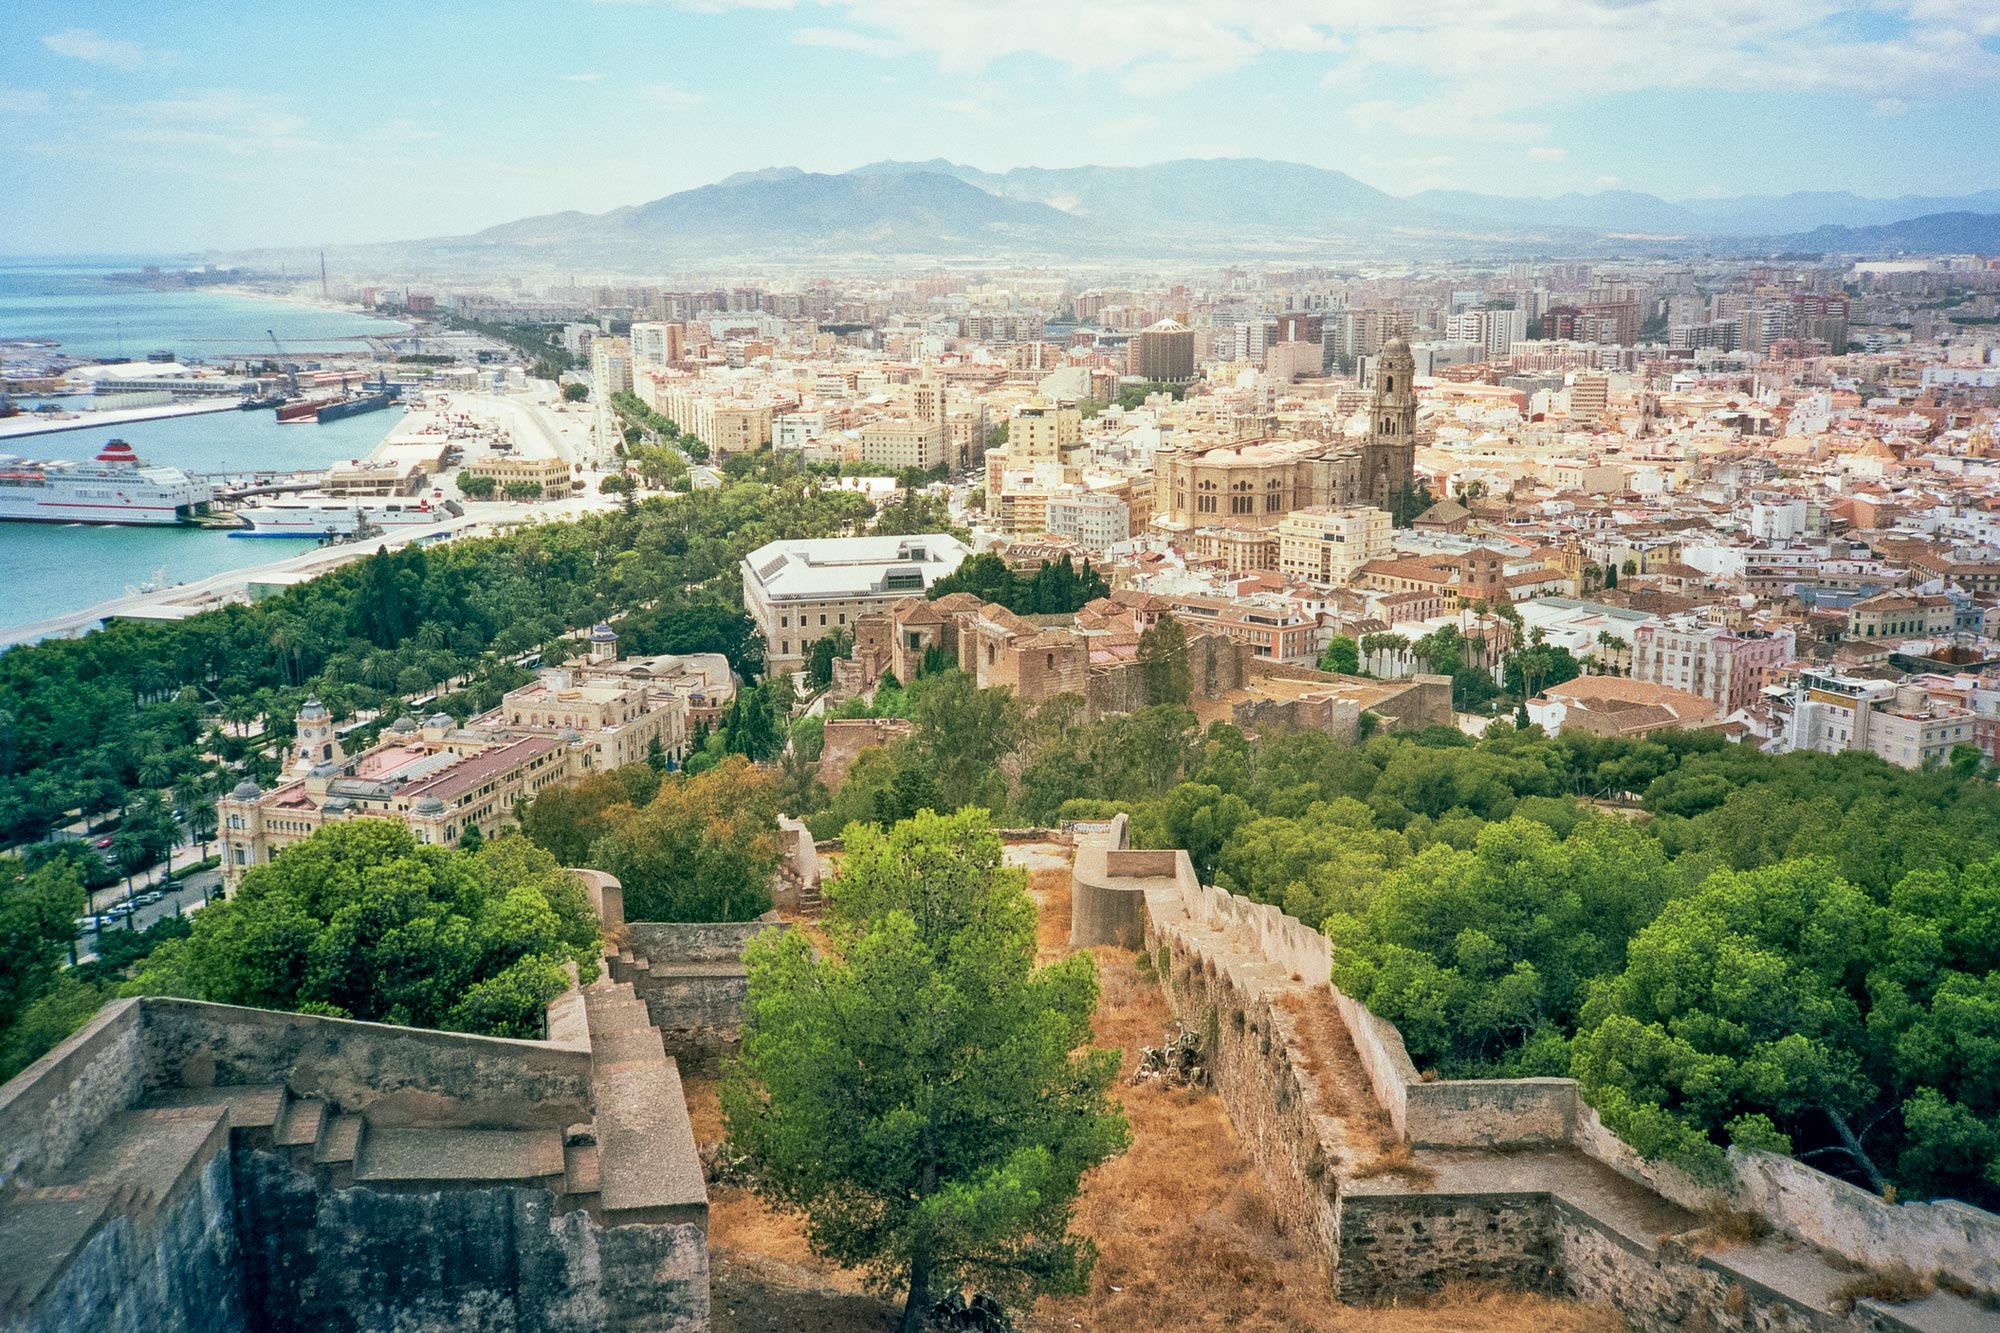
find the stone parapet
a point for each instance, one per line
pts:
(1508, 1180)
(182, 1167)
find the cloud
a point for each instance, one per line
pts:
(94, 47)
(665, 94)
(1126, 127)
(1547, 153)
(1866, 49)
(1890, 106)
(846, 39)
(22, 101)
(582, 78)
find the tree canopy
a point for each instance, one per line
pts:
(361, 921)
(923, 1094)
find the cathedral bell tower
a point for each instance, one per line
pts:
(1391, 451)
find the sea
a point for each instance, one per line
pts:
(49, 569)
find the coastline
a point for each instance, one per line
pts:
(312, 301)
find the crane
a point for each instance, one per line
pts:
(291, 371)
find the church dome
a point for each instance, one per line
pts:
(439, 720)
(403, 725)
(312, 711)
(246, 790)
(429, 806)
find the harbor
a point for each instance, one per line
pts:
(49, 423)
(171, 573)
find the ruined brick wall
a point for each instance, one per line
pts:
(1339, 718)
(1217, 664)
(846, 738)
(1393, 1247)
(693, 982)
(1258, 1069)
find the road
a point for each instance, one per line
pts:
(189, 895)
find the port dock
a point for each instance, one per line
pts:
(50, 423)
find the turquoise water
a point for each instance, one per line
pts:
(48, 569)
(74, 304)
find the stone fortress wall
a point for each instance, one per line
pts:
(183, 1166)
(1513, 1180)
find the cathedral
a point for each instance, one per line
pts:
(1255, 483)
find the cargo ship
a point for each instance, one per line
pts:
(115, 487)
(311, 515)
(292, 414)
(353, 407)
(324, 410)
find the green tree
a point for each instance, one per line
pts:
(37, 925)
(524, 490)
(476, 486)
(703, 849)
(923, 1094)
(1737, 1012)
(575, 393)
(360, 921)
(1342, 656)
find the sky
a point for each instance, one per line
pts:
(155, 128)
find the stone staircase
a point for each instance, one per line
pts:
(162, 1167)
(644, 1162)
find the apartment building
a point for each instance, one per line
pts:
(611, 365)
(1093, 520)
(1327, 545)
(657, 346)
(901, 443)
(1718, 662)
(1892, 615)
(1898, 722)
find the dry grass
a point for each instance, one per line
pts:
(1187, 1237)
(1050, 890)
(1891, 1285)
(1721, 1227)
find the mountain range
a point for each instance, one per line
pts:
(1247, 207)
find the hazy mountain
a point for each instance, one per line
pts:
(1607, 210)
(1189, 192)
(1936, 233)
(1224, 207)
(785, 208)
(1818, 208)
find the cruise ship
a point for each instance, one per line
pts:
(309, 515)
(114, 487)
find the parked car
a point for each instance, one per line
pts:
(117, 913)
(85, 924)
(102, 843)
(148, 897)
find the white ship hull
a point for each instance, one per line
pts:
(115, 487)
(315, 518)
(27, 509)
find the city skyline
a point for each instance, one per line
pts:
(165, 132)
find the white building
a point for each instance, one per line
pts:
(1092, 520)
(1898, 722)
(804, 590)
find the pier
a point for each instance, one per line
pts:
(41, 423)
